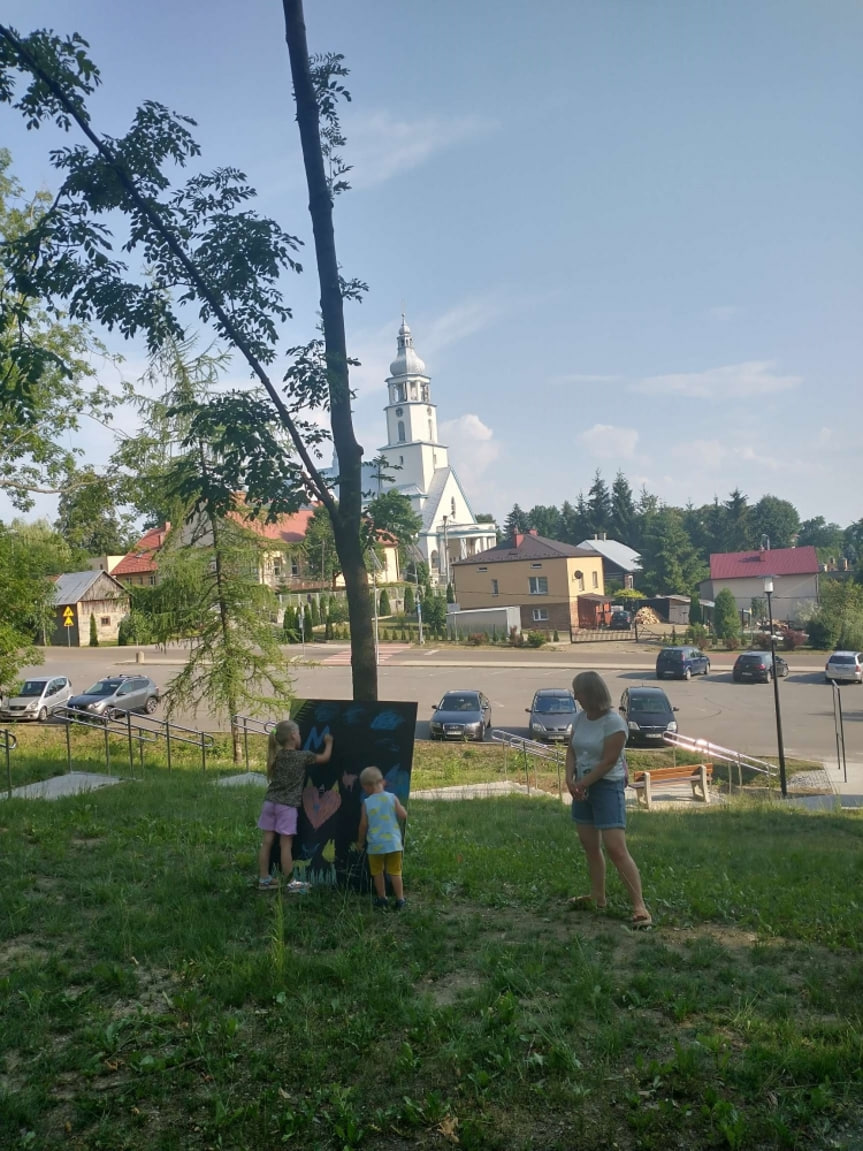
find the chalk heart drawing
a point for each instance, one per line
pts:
(319, 807)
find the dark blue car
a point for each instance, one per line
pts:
(681, 663)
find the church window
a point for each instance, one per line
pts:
(452, 505)
(431, 433)
(400, 411)
(401, 431)
(435, 561)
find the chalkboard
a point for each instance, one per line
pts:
(364, 734)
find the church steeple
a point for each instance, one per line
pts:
(411, 416)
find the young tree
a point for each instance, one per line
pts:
(190, 239)
(726, 619)
(25, 607)
(737, 525)
(384, 603)
(695, 609)
(410, 602)
(88, 518)
(774, 522)
(545, 521)
(669, 560)
(94, 633)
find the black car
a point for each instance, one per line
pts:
(681, 663)
(757, 667)
(620, 620)
(461, 715)
(648, 714)
(116, 695)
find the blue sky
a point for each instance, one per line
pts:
(626, 234)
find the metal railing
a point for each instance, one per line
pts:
(714, 752)
(8, 742)
(246, 725)
(138, 729)
(530, 747)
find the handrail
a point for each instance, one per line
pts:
(714, 751)
(137, 729)
(248, 724)
(529, 747)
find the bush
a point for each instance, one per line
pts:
(477, 638)
(823, 631)
(726, 620)
(731, 643)
(94, 634)
(556, 636)
(536, 638)
(696, 634)
(516, 639)
(793, 639)
(384, 603)
(410, 602)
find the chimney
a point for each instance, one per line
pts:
(533, 532)
(519, 539)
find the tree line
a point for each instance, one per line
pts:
(675, 543)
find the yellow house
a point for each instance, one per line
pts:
(542, 577)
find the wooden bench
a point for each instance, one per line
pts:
(698, 775)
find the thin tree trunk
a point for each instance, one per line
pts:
(225, 625)
(346, 517)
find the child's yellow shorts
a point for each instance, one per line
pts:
(391, 863)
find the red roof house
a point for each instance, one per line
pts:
(139, 566)
(794, 572)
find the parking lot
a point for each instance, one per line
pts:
(740, 716)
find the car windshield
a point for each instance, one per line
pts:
(104, 687)
(459, 703)
(32, 687)
(553, 704)
(640, 703)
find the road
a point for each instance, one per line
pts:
(739, 716)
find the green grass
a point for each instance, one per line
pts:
(152, 999)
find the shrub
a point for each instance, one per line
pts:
(94, 634)
(726, 621)
(410, 602)
(384, 603)
(823, 631)
(477, 638)
(731, 643)
(793, 639)
(536, 638)
(516, 639)
(556, 636)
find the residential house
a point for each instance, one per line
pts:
(140, 566)
(543, 578)
(794, 572)
(620, 563)
(78, 596)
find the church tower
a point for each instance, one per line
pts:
(412, 445)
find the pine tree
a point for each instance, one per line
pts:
(726, 621)
(599, 507)
(622, 509)
(516, 523)
(410, 602)
(385, 602)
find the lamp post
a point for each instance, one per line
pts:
(768, 591)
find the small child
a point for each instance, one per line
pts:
(286, 771)
(379, 827)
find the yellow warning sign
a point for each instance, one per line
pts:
(68, 617)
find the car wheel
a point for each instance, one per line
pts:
(768, 678)
(43, 714)
(707, 668)
(150, 705)
(687, 674)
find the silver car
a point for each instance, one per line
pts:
(551, 714)
(37, 698)
(117, 695)
(844, 667)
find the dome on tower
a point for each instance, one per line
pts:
(407, 362)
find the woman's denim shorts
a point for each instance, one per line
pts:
(605, 806)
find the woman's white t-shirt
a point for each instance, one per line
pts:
(588, 741)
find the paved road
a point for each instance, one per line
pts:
(740, 716)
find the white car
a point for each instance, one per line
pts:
(844, 667)
(37, 698)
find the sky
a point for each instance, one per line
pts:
(626, 234)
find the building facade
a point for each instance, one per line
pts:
(794, 572)
(78, 596)
(542, 577)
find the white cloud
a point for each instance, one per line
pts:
(606, 442)
(709, 453)
(750, 455)
(562, 381)
(383, 146)
(472, 450)
(733, 381)
(824, 437)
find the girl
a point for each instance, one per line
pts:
(596, 779)
(286, 771)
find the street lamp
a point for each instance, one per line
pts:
(768, 591)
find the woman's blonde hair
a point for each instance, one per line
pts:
(593, 690)
(285, 732)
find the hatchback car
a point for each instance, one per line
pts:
(37, 698)
(757, 667)
(551, 714)
(648, 714)
(844, 667)
(681, 663)
(620, 620)
(117, 695)
(461, 715)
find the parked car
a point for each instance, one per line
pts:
(757, 667)
(844, 667)
(461, 715)
(620, 620)
(681, 663)
(551, 714)
(37, 698)
(117, 695)
(648, 714)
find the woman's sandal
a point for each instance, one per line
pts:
(585, 903)
(641, 922)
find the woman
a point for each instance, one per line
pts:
(596, 778)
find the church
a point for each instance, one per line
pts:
(417, 465)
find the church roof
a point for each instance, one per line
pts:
(407, 362)
(526, 547)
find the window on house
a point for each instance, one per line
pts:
(540, 614)
(295, 567)
(536, 565)
(105, 621)
(594, 578)
(495, 589)
(152, 581)
(538, 585)
(452, 505)
(482, 569)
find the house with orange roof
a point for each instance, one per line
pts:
(140, 566)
